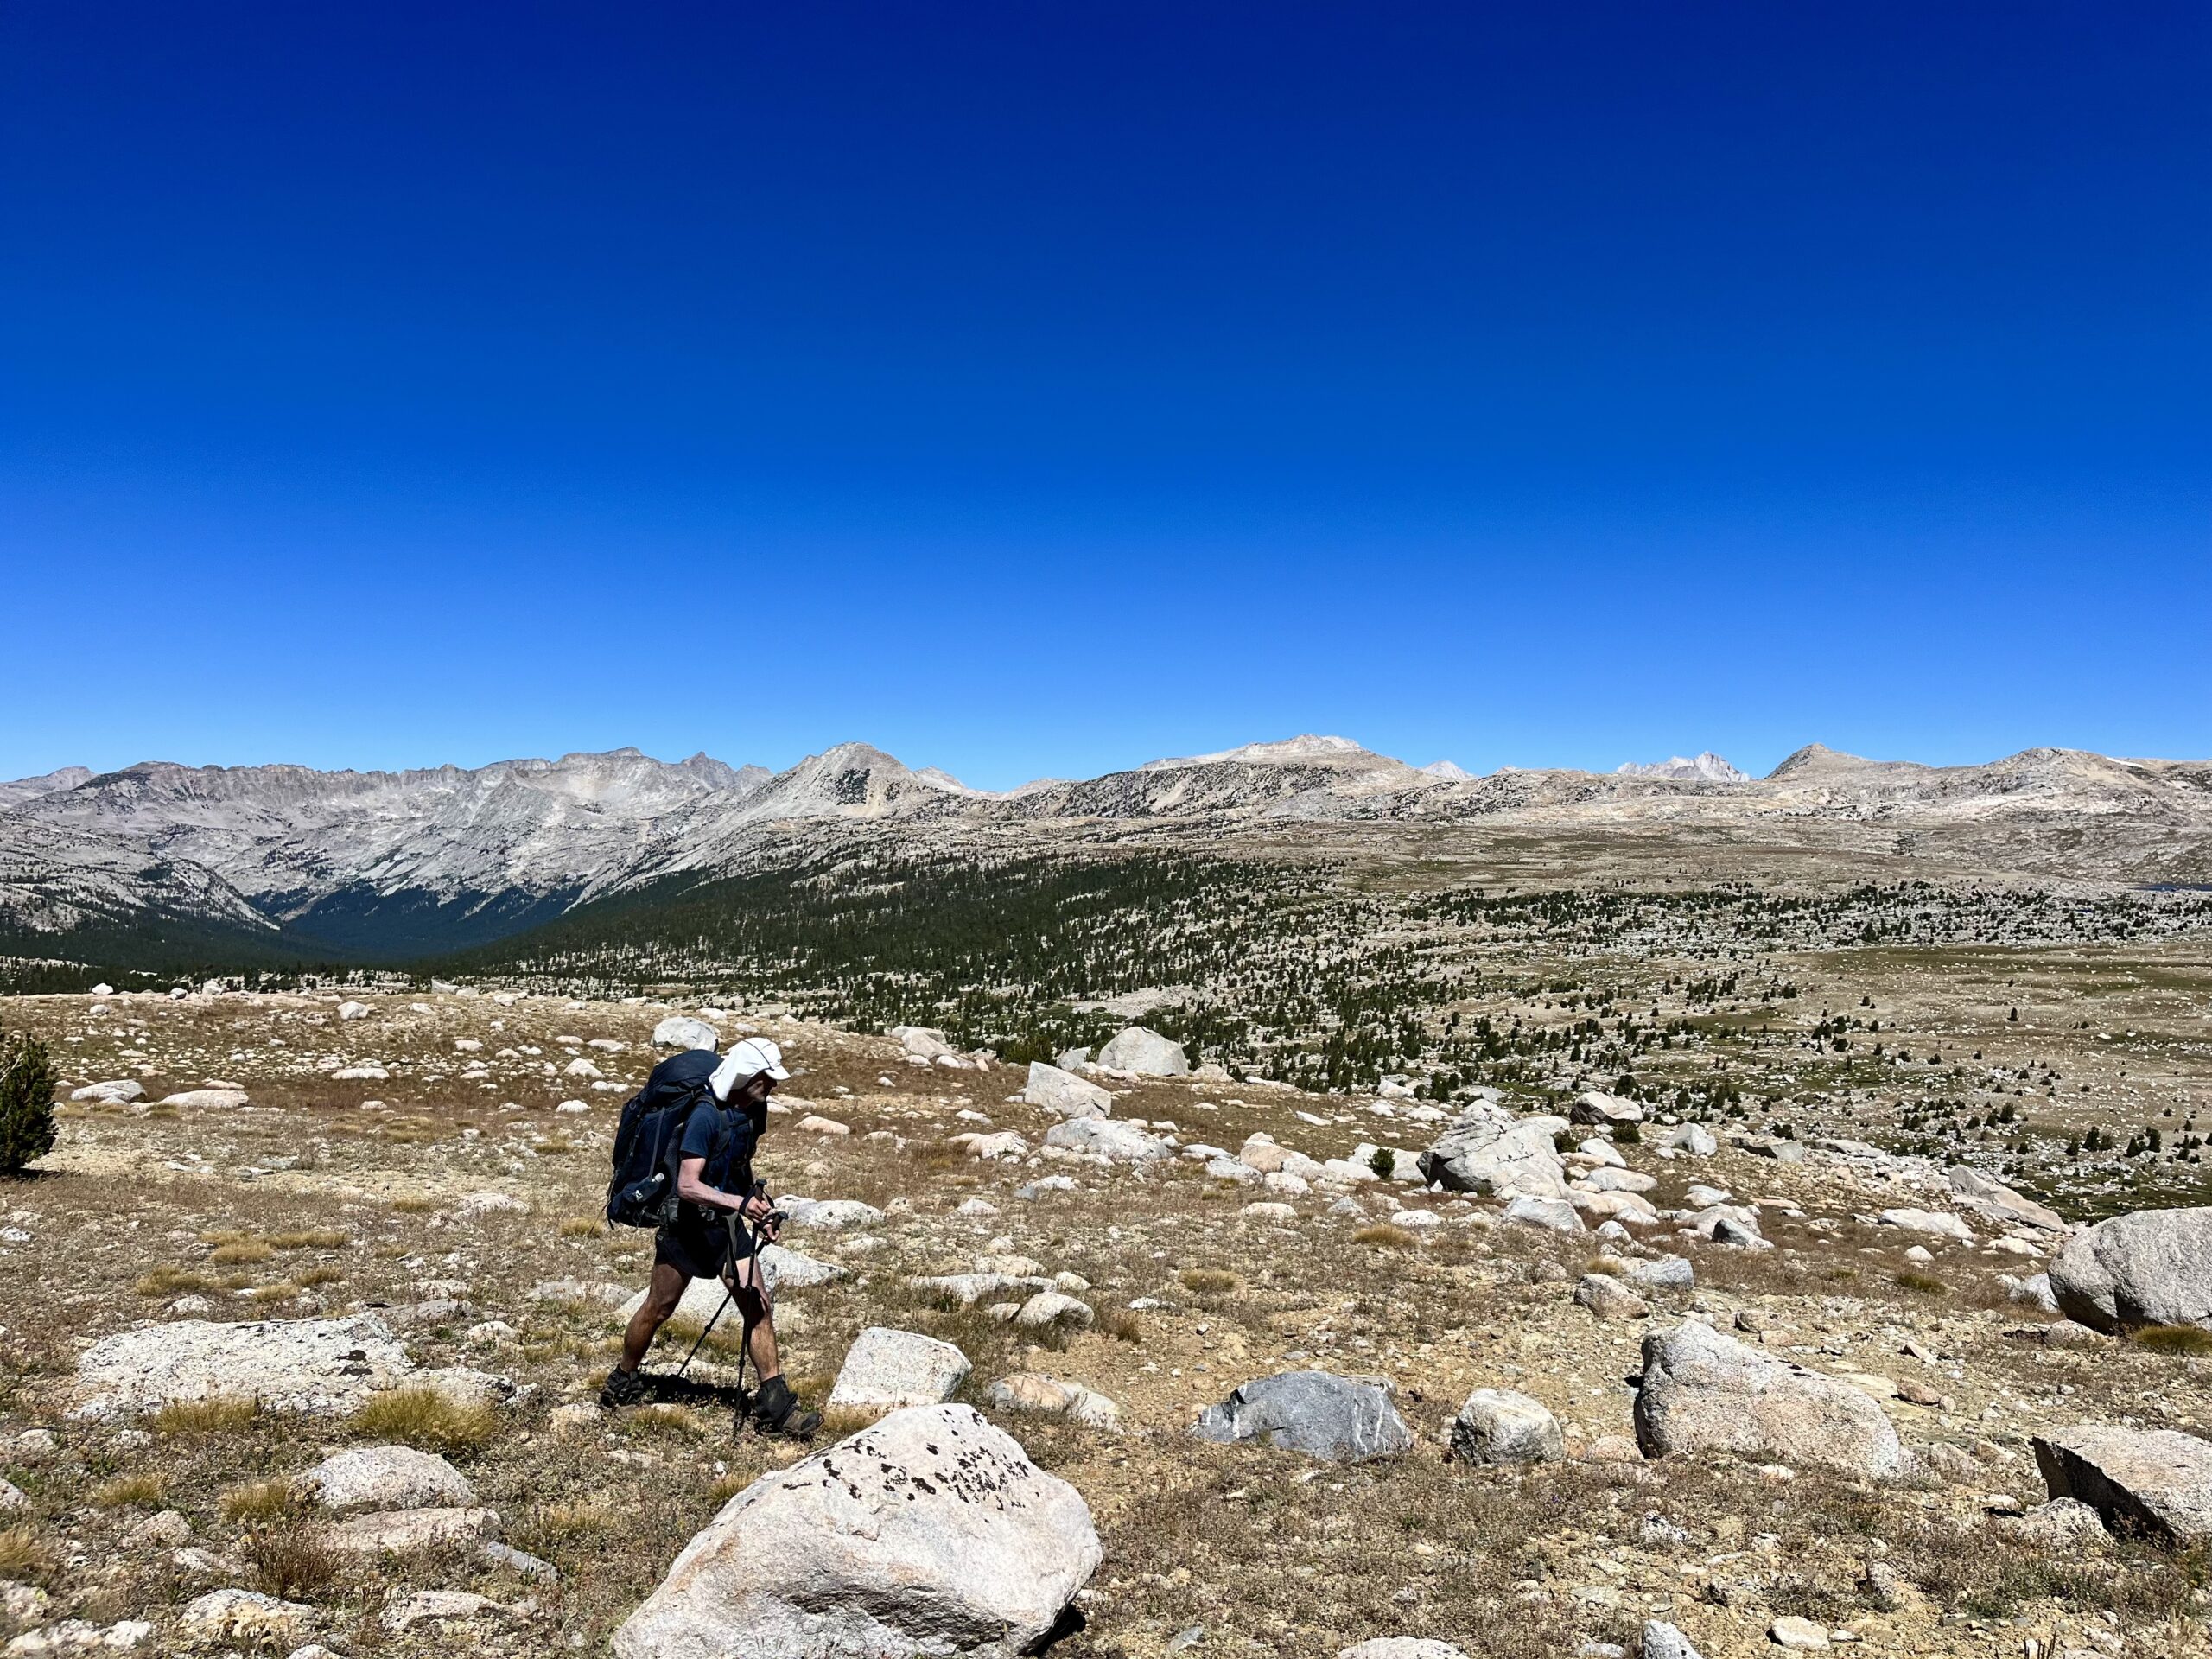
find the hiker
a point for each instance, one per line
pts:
(715, 1197)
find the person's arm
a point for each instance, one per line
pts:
(691, 1186)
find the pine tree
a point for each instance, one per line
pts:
(26, 1101)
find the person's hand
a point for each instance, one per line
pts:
(756, 1208)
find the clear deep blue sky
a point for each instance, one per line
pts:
(1042, 388)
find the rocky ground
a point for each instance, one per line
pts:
(303, 1320)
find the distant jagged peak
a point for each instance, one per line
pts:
(1304, 749)
(1450, 770)
(1707, 768)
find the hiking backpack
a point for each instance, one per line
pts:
(646, 1140)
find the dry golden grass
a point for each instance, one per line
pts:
(147, 1488)
(314, 1276)
(1382, 1235)
(259, 1501)
(582, 1227)
(23, 1553)
(413, 1206)
(425, 1419)
(572, 1521)
(292, 1563)
(2187, 1341)
(316, 1238)
(1121, 1323)
(1920, 1284)
(172, 1281)
(1212, 1282)
(244, 1253)
(222, 1415)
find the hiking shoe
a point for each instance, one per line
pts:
(776, 1410)
(622, 1388)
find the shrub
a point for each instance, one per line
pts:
(26, 1101)
(1119, 1323)
(1382, 1161)
(292, 1564)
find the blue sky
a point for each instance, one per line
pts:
(1041, 389)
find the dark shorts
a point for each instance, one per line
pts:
(699, 1246)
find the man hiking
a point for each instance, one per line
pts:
(715, 1197)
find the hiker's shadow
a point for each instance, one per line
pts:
(695, 1391)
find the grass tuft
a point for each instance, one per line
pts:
(172, 1281)
(292, 1563)
(1382, 1235)
(2185, 1341)
(317, 1238)
(1920, 1284)
(259, 1501)
(1211, 1281)
(222, 1415)
(23, 1555)
(146, 1490)
(1121, 1323)
(582, 1227)
(426, 1420)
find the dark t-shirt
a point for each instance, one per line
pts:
(724, 1136)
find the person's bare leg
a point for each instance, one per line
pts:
(663, 1292)
(759, 1316)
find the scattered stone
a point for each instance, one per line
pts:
(1704, 1392)
(1498, 1425)
(243, 1616)
(1991, 1199)
(1940, 1222)
(1313, 1412)
(2150, 1480)
(402, 1532)
(2063, 1523)
(1108, 1138)
(1065, 1093)
(931, 1532)
(1609, 1298)
(1797, 1634)
(887, 1369)
(814, 1123)
(1662, 1641)
(831, 1215)
(386, 1478)
(1599, 1106)
(121, 1092)
(1032, 1391)
(2151, 1266)
(1049, 1307)
(1556, 1215)
(352, 1010)
(205, 1100)
(681, 1031)
(1695, 1139)
(435, 1607)
(1146, 1053)
(1487, 1150)
(1401, 1647)
(318, 1366)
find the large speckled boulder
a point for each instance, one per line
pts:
(1705, 1392)
(931, 1533)
(1313, 1412)
(2152, 1267)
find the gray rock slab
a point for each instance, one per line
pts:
(1313, 1412)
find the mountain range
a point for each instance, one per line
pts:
(394, 865)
